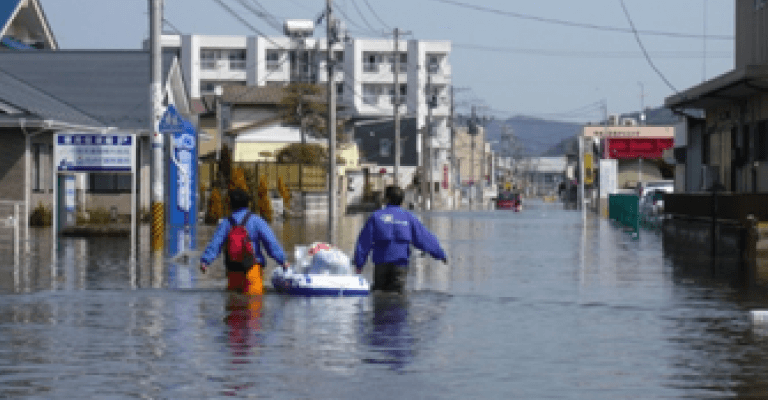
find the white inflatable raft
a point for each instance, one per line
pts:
(320, 270)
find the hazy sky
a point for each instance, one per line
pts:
(549, 58)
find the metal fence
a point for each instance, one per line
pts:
(296, 177)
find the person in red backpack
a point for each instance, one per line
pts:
(242, 236)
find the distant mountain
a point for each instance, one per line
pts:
(536, 135)
(653, 116)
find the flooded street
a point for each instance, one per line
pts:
(532, 305)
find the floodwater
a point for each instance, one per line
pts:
(542, 304)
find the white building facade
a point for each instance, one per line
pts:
(364, 74)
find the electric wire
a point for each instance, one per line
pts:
(682, 54)
(640, 43)
(376, 15)
(360, 13)
(246, 23)
(578, 24)
(264, 15)
(357, 25)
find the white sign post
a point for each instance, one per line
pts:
(88, 152)
(609, 171)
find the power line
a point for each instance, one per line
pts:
(375, 14)
(264, 15)
(647, 57)
(351, 21)
(578, 24)
(683, 54)
(354, 4)
(246, 23)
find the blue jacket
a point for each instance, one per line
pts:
(390, 232)
(259, 232)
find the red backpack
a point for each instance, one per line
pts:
(239, 247)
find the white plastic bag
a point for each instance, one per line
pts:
(331, 262)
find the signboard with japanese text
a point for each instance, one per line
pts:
(182, 167)
(94, 152)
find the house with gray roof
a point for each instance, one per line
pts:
(23, 26)
(44, 92)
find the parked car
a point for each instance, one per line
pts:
(664, 186)
(509, 201)
(651, 205)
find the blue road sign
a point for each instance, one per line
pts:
(172, 121)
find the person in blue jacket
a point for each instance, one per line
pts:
(390, 232)
(259, 233)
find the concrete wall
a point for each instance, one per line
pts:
(751, 23)
(12, 165)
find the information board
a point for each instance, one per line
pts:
(94, 152)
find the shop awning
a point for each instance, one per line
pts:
(724, 89)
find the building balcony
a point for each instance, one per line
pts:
(274, 66)
(371, 68)
(238, 65)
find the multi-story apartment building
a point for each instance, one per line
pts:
(364, 73)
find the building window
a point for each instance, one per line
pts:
(340, 89)
(38, 151)
(370, 63)
(209, 58)
(403, 62)
(237, 59)
(385, 147)
(273, 60)
(338, 56)
(370, 94)
(433, 64)
(109, 183)
(207, 88)
(403, 90)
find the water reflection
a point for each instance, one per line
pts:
(243, 326)
(387, 333)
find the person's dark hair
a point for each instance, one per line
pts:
(238, 199)
(394, 195)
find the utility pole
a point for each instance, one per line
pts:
(396, 104)
(332, 200)
(452, 168)
(430, 105)
(396, 100)
(473, 132)
(158, 146)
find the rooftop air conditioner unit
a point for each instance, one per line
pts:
(301, 28)
(613, 119)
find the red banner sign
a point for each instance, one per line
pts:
(631, 148)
